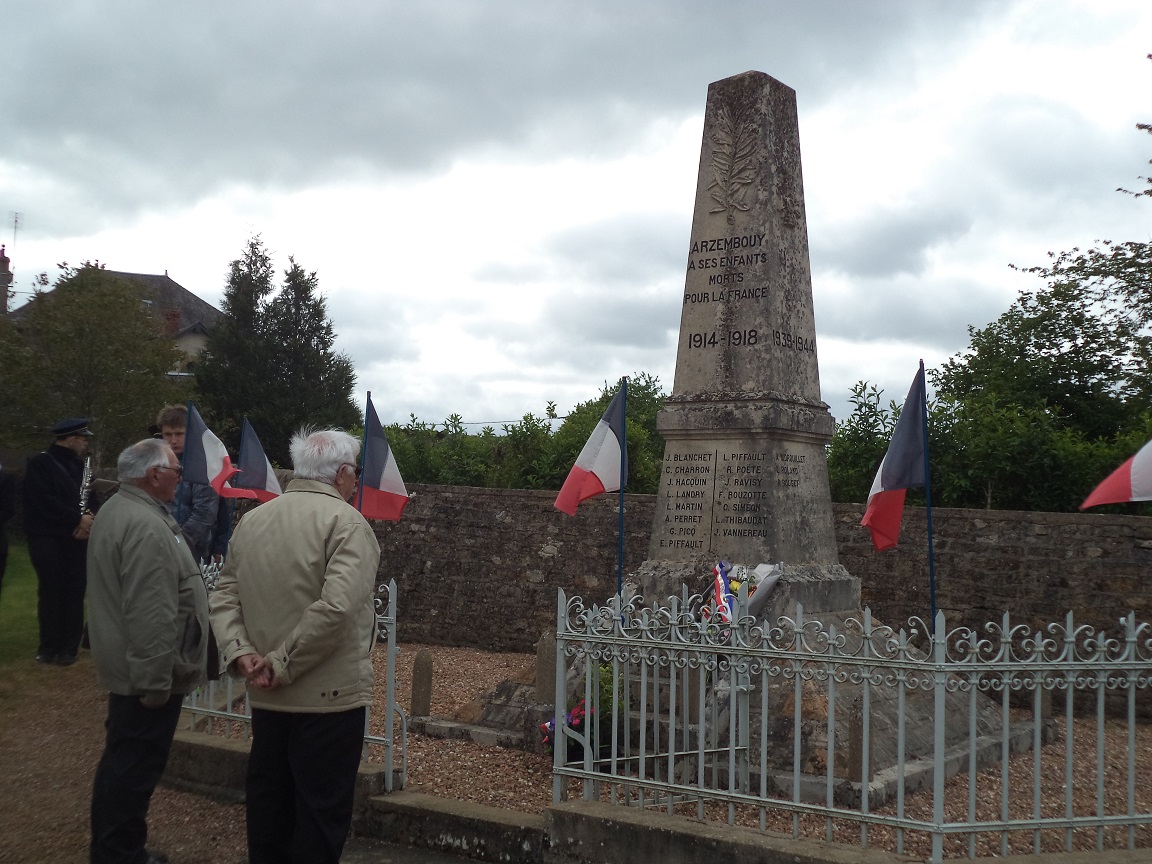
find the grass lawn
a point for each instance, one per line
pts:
(19, 631)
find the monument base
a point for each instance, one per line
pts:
(819, 588)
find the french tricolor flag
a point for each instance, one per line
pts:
(382, 492)
(602, 465)
(901, 469)
(255, 479)
(205, 458)
(722, 591)
(1132, 481)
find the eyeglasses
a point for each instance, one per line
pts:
(356, 469)
(179, 470)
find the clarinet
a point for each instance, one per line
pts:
(85, 485)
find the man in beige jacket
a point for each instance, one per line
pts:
(293, 613)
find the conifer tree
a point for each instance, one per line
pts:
(273, 359)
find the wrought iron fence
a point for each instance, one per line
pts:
(945, 740)
(222, 707)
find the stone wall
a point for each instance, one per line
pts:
(480, 567)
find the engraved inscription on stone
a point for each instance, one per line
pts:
(688, 501)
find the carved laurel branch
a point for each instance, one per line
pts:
(732, 159)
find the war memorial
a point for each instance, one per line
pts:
(745, 478)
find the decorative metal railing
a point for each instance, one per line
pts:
(222, 707)
(840, 722)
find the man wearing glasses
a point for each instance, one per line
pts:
(148, 625)
(293, 614)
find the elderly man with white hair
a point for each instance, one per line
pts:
(148, 625)
(293, 613)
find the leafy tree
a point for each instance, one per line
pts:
(1078, 349)
(233, 372)
(1054, 394)
(528, 454)
(985, 453)
(315, 382)
(1060, 350)
(517, 459)
(859, 444)
(88, 348)
(273, 358)
(991, 455)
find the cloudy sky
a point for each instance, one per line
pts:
(497, 195)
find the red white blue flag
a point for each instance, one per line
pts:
(1132, 481)
(205, 458)
(901, 469)
(722, 591)
(602, 465)
(256, 478)
(382, 492)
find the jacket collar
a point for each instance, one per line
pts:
(313, 486)
(135, 492)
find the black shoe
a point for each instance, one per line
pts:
(155, 857)
(45, 658)
(64, 659)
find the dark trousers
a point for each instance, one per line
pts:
(135, 752)
(301, 785)
(61, 578)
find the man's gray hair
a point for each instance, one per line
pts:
(135, 460)
(318, 454)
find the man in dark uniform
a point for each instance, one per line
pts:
(57, 530)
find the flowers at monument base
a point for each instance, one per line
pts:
(574, 719)
(728, 579)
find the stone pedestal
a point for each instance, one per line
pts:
(820, 588)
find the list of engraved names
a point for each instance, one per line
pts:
(723, 494)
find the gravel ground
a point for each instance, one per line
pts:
(51, 736)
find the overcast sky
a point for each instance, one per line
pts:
(497, 196)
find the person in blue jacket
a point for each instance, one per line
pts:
(195, 506)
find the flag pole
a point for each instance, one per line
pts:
(928, 498)
(187, 414)
(363, 454)
(239, 461)
(623, 469)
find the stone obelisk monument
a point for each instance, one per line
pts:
(745, 477)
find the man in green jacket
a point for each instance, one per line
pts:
(293, 613)
(148, 625)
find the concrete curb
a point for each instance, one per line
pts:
(456, 827)
(591, 831)
(216, 767)
(573, 832)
